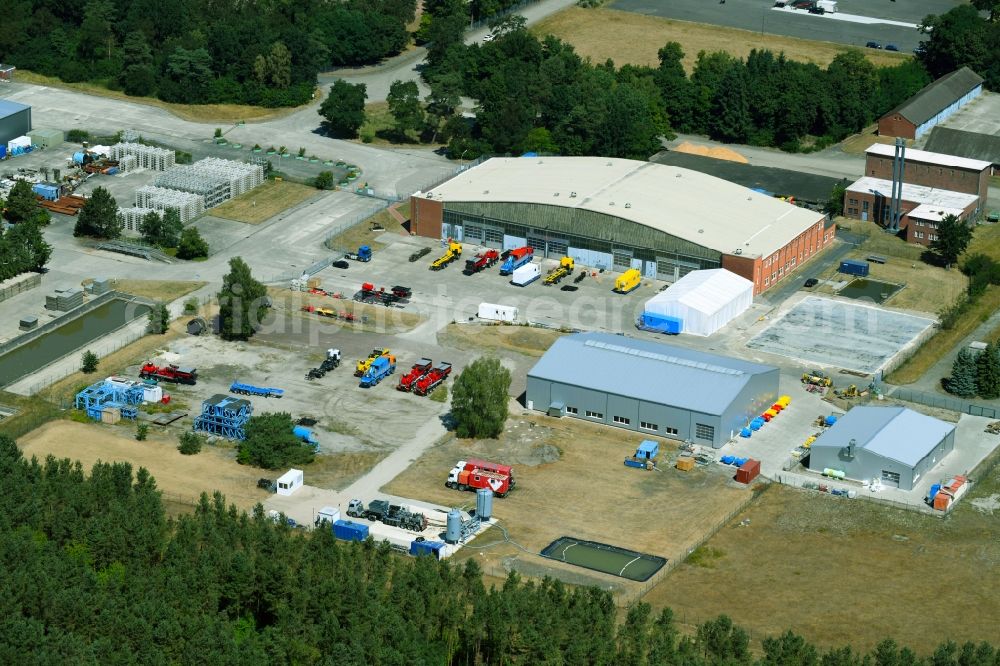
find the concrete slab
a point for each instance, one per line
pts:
(982, 115)
(841, 333)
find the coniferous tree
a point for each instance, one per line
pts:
(963, 375)
(988, 372)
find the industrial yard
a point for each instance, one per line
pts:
(680, 399)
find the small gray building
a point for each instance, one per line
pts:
(894, 444)
(15, 120)
(650, 387)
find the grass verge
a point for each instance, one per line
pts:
(364, 233)
(264, 202)
(163, 291)
(198, 113)
(630, 38)
(946, 339)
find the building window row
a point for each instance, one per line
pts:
(594, 415)
(622, 420)
(572, 410)
(646, 425)
(672, 431)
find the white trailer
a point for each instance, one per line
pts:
(494, 312)
(828, 6)
(290, 481)
(328, 515)
(525, 275)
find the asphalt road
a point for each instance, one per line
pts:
(759, 15)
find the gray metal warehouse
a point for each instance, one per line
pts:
(15, 120)
(894, 444)
(650, 387)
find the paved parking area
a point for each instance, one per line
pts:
(761, 16)
(841, 334)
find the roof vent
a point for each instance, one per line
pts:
(612, 203)
(678, 175)
(611, 164)
(739, 251)
(556, 194)
(701, 231)
(628, 205)
(572, 195)
(486, 191)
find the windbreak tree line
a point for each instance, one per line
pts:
(539, 95)
(95, 573)
(187, 51)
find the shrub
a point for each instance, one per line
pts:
(190, 443)
(141, 430)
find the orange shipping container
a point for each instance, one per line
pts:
(942, 500)
(749, 471)
(685, 464)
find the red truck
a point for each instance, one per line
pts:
(169, 373)
(481, 261)
(419, 369)
(432, 379)
(474, 474)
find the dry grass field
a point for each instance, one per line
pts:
(840, 572)
(158, 290)
(181, 477)
(571, 481)
(264, 202)
(198, 113)
(363, 234)
(522, 339)
(629, 38)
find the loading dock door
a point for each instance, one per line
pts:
(493, 238)
(890, 478)
(622, 260)
(649, 270)
(473, 233)
(558, 248)
(666, 269)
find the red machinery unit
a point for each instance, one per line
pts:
(432, 379)
(474, 474)
(169, 373)
(419, 369)
(481, 261)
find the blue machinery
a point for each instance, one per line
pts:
(94, 399)
(259, 391)
(224, 416)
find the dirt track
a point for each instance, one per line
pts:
(181, 477)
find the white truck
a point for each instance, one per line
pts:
(526, 274)
(828, 6)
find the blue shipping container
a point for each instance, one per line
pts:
(350, 531)
(426, 548)
(854, 267)
(662, 323)
(3, 151)
(46, 191)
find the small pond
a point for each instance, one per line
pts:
(872, 290)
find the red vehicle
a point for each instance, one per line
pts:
(432, 379)
(169, 373)
(419, 369)
(481, 261)
(474, 474)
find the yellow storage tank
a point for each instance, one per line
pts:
(784, 400)
(628, 281)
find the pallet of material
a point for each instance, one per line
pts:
(56, 208)
(167, 419)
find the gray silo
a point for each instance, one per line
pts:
(484, 503)
(453, 532)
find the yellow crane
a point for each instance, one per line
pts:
(564, 269)
(453, 253)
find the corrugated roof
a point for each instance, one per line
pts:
(895, 433)
(927, 157)
(938, 95)
(919, 194)
(649, 371)
(694, 206)
(972, 145)
(706, 291)
(8, 107)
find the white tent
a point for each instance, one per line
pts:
(700, 303)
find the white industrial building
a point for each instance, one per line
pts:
(700, 303)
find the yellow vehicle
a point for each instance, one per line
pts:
(453, 253)
(564, 269)
(817, 380)
(363, 366)
(628, 281)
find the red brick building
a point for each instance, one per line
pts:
(935, 170)
(932, 105)
(921, 206)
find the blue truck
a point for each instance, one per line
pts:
(380, 368)
(516, 258)
(364, 254)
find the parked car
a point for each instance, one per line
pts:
(873, 45)
(802, 4)
(811, 282)
(816, 9)
(340, 264)
(891, 47)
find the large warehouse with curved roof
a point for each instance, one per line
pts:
(618, 214)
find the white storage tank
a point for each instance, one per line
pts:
(484, 504)
(453, 531)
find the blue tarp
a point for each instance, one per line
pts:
(662, 323)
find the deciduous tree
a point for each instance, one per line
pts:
(343, 110)
(192, 245)
(241, 302)
(99, 216)
(271, 444)
(953, 237)
(479, 398)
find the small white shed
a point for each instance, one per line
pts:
(704, 301)
(494, 312)
(289, 482)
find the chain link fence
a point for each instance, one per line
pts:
(942, 402)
